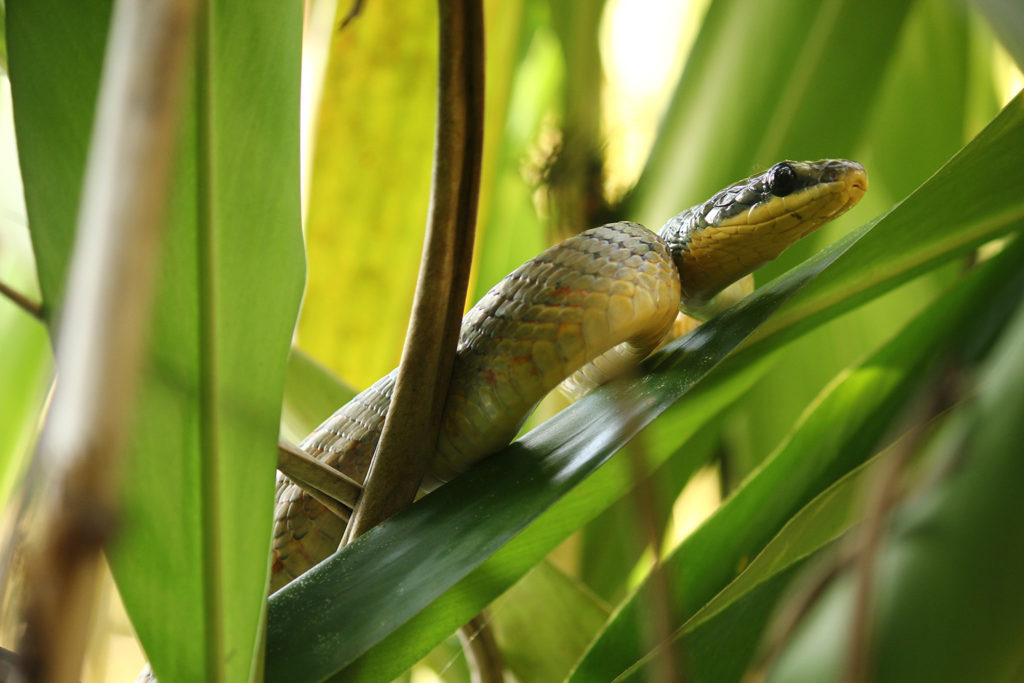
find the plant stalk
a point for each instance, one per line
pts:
(412, 425)
(102, 324)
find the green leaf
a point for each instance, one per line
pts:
(946, 596)
(544, 623)
(759, 86)
(838, 435)
(994, 290)
(1006, 18)
(191, 558)
(311, 394)
(363, 237)
(26, 364)
(717, 648)
(54, 92)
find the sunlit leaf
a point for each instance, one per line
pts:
(191, 554)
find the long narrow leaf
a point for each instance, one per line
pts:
(946, 600)
(191, 558)
(837, 436)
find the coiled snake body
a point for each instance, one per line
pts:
(586, 310)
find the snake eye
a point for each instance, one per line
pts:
(781, 179)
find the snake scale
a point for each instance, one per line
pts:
(581, 312)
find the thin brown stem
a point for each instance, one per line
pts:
(940, 396)
(412, 425)
(319, 480)
(482, 652)
(101, 330)
(666, 664)
(33, 308)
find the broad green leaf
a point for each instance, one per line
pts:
(838, 435)
(54, 91)
(191, 559)
(369, 186)
(945, 589)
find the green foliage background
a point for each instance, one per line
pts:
(802, 398)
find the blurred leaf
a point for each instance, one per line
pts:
(311, 394)
(947, 601)
(1006, 17)
(544, 623)
(370, 180)
(510, 232)
(718, 642)
(717, 648)
(838, 435)
(758, 86)
(25, 367)
(26, 362)
(614, 542)
(930, 65)
(198, 491)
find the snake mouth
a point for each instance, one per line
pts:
(857, 182)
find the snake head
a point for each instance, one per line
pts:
(753, 221)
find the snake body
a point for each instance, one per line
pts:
(583, 311)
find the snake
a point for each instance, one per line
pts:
(579, 314)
